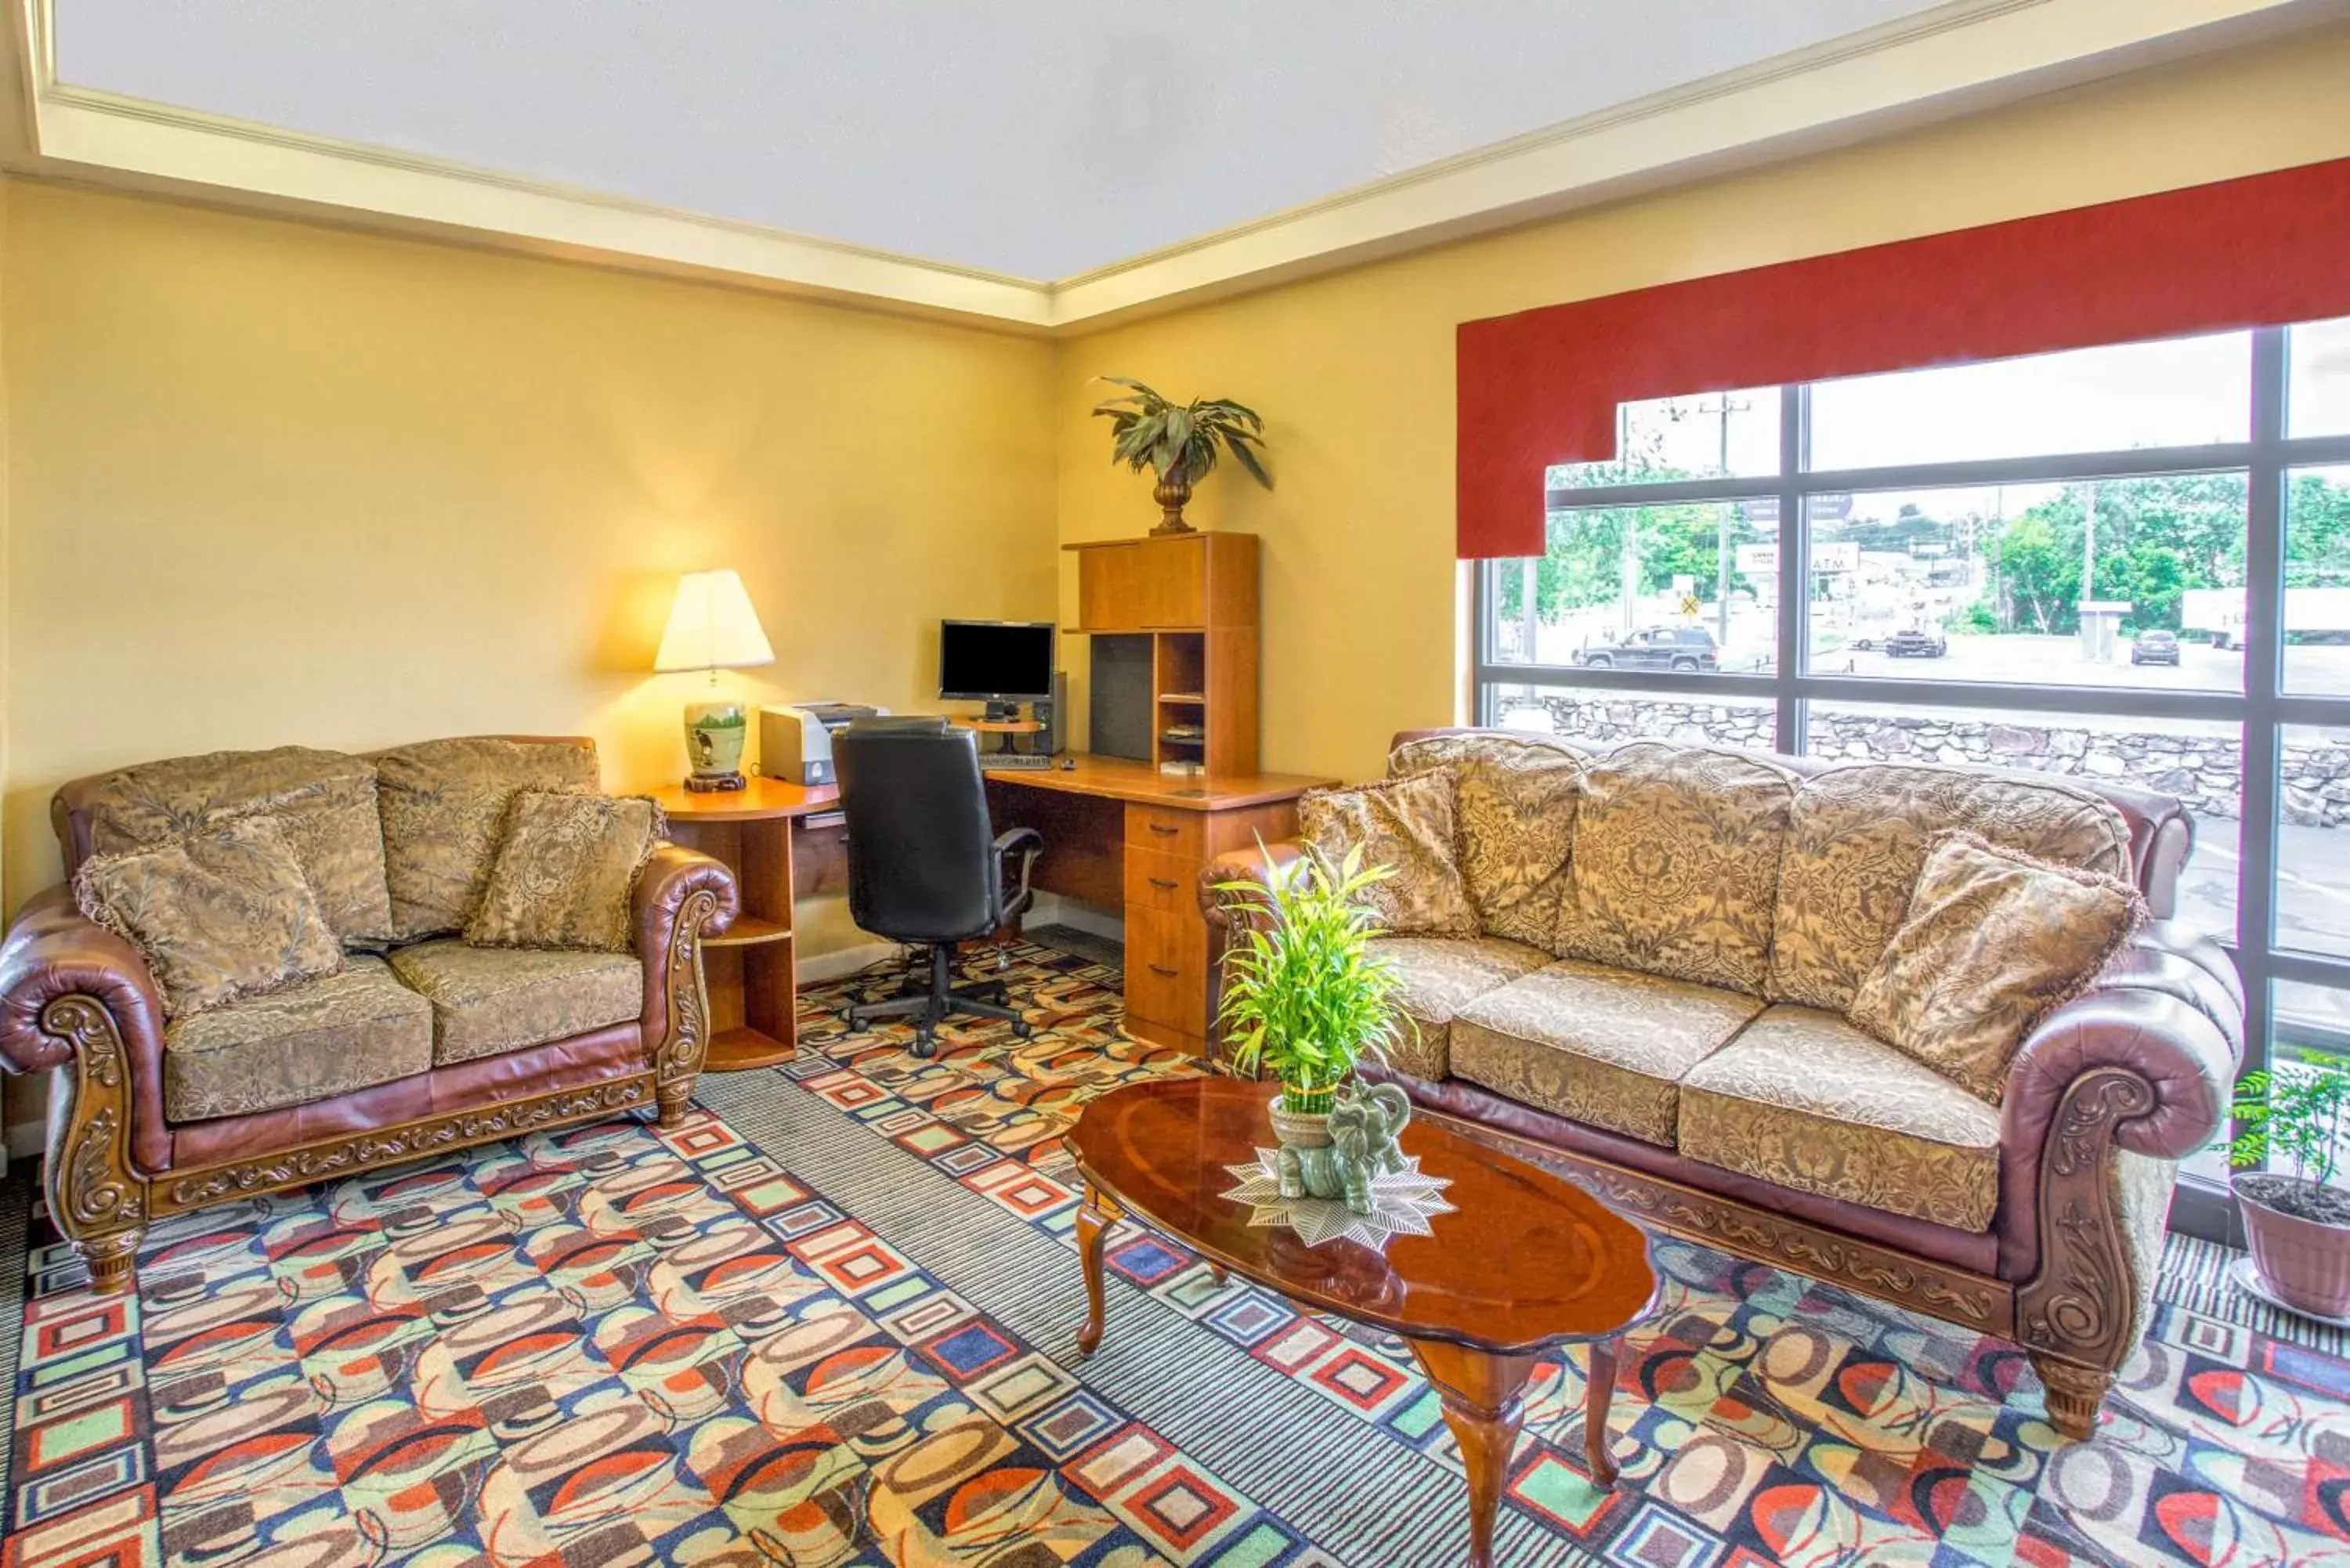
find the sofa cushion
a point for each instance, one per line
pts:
(1440, 976)
(1991, 942)
(1514, 823)
(490, 1000)
(1804, 1099)
(563, 873)
(444, 804)
(324, 801)
(223, 913)
(1605, 1046)
(1858, 834)
(352, 1030)
(1676, 864)
(1406, 824)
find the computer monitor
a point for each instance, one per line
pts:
(995, 660)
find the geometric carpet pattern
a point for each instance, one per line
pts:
(830, 1322)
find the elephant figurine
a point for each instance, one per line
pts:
(1363, 1126)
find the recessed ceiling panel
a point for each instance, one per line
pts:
(1036, 138)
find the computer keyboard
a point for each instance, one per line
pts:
(993, 760)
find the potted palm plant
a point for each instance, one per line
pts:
(1304, 996)
(2296, 1224)
(1180, 441)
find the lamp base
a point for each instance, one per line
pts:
(714, 783)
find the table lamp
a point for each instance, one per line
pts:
(713, 627)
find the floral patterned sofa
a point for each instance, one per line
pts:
(1749, 1112)
(420, 1042)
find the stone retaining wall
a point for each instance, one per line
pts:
(2201, 770)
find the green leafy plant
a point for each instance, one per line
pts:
(1304, 996)
(2295, 1111)
(1181, 441)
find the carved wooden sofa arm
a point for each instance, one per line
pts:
(76, 1001)
(681, 896)
(2108, 1094)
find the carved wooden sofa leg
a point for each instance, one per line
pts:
(2075, 1394)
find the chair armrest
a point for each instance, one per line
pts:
(674, 881)
(1235, 881)
(52, 953)
(1030, 844)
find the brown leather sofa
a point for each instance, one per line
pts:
(2073, 1165)
(77, 1001)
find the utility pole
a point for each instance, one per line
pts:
(1724, 407)
(2089, 547)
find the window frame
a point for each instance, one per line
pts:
(2260, 711)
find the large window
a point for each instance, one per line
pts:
(2126, 564)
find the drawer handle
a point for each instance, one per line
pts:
(1162, 882)
(1162, 969)
(1163, 830)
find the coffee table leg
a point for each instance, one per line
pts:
(1094, 1217)
(1485, 1404)
(1596, 1395)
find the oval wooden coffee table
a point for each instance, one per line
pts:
(1527, 1262)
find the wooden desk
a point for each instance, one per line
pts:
(1124, 836)
(1118, 834)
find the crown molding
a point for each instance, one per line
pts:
(1953, 59)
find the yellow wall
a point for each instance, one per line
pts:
(1354, 371)
(279, 482)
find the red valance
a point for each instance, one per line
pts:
(1540, 386)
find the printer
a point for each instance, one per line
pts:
(795, 741)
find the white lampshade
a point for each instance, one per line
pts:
(712, 626)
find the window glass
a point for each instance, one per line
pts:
(2201, 763)
(1672, 589)
(2317, 403)
(2313, 870)
(2185, 391)
(2118, 581)
(1719, 435)
(2312, 1026)
(2317, 581)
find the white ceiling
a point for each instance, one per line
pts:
(1040, 139)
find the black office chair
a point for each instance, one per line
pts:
(925, 864)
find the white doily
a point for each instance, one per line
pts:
(1401, 1204)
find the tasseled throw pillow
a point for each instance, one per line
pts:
(565, 872)
(220, 914)
(1991, 942)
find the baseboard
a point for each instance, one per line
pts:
(1051, 910)
(817, 968)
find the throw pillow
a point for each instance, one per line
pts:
(443, 802)
(564, 874)
(221, 914)
(1991, 942)
(1676, 864)
(1514, 810)
(1406, 824)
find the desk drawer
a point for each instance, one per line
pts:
(1169, 884)
(1182, 834)
(1167, 969)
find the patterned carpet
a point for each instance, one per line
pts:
(829, 1323)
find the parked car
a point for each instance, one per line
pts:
(2156, 647)
(1683, 648)
(1915, 643)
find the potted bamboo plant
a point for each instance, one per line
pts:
(1304, 996)
(1180, 441)
(2296, 1224)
